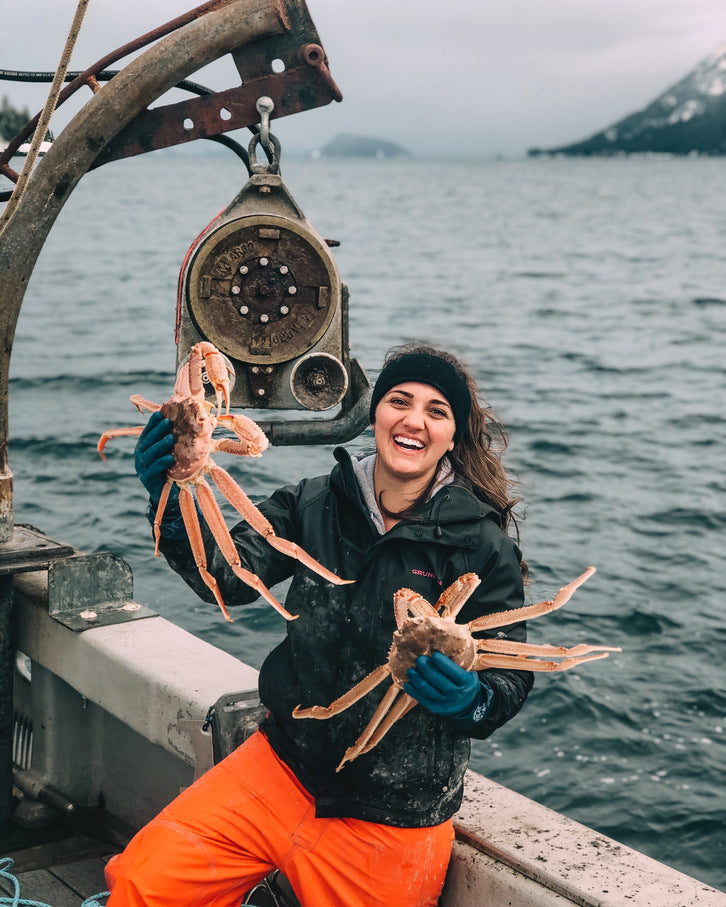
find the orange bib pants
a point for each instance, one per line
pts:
(249, 815)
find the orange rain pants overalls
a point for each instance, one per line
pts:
(249, 815)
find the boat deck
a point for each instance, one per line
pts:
(76, 874)
(63, 886)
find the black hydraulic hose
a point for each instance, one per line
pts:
(21, 75)
(85, 77)
(16, 75)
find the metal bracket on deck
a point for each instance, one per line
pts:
(84, 590)
(92, 590)
(230, 721)
(29, 550)
(234, 717)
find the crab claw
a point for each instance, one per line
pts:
(218, 371)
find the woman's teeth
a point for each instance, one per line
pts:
(408, 443)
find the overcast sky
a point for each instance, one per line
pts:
(453, 77)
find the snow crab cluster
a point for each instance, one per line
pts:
(194, 420)
(424, 628)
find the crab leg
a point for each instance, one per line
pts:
(503, 618)
(509, 647)
(117, 433)
(402, 707)
(386, 715)
(160, 508)
(453, 599)
(522, 663)
(369, 682)
(406, 602)
(207, 354)
(244, 506)
(252, 440)
(191, 523)
(215, 521)
(141, 403)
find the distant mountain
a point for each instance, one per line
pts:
(347, 145)
(689, 118)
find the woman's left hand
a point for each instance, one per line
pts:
(443, 687)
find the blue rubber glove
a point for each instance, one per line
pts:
(443, 687)
(152, 457)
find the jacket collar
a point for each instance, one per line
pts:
(364, 469)
(446, 517)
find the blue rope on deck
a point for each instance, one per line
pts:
(7, 863)
(96, 900)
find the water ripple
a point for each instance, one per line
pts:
(588, 304)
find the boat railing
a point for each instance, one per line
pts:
(151, 707)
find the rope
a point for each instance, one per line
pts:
(42, 127)
(6, 864)
(96, 900)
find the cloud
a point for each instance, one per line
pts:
(453, 77)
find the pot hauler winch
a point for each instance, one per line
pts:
(261, 284)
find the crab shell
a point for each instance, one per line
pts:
(424, 635)
(192, 427)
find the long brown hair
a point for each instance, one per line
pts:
(477, 456)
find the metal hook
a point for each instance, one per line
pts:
(274, 149)
(265, 106)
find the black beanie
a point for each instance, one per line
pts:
(427, 369)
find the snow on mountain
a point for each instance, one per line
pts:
(688, 118)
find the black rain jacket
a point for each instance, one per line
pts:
(414, 777)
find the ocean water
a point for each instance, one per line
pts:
(589, 298)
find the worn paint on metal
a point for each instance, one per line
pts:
(297, 88)
(89, 76)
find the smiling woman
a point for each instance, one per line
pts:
(436, 461)
(414, 429)
(425, 406)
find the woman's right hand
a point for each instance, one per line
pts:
(153, 456)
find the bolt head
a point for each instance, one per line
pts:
(264, 105)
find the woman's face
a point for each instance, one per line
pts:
(414, 428)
